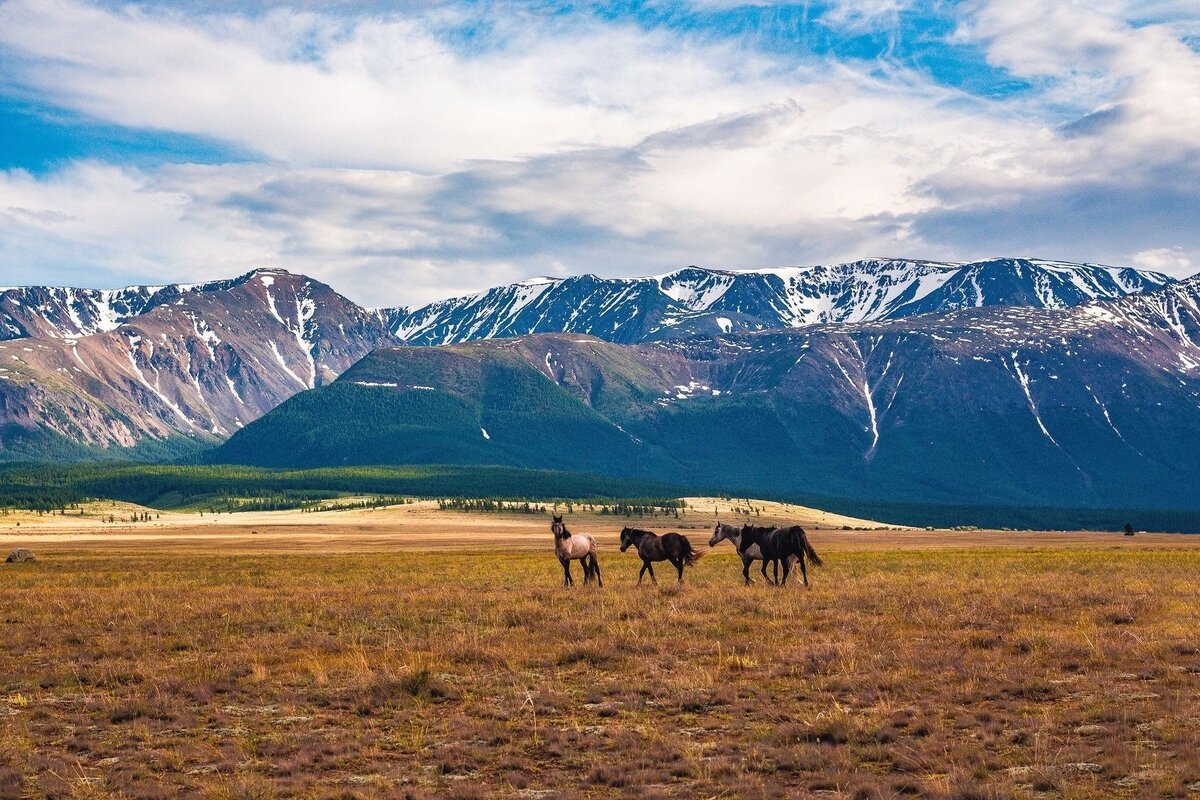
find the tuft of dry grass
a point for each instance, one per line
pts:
(970, 673)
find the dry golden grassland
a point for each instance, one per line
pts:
(222, 663)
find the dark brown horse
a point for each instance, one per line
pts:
(780, 544)
(651, 547)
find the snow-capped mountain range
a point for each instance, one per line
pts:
(686, 301)
(49, 311)
(57, 311)
(97, 369)
(694, 300)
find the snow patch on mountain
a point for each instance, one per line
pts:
(284, 366)
(695, 289)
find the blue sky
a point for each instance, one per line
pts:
(408, 151)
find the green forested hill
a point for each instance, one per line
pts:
(498, 411)
(944, 412)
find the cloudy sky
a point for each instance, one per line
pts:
(406, 151)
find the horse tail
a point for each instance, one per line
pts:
(808, 550)
(690, 556)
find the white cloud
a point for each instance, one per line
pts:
(866, 15)
(401, 169)
(1095, 58)
(377, 91)
(1165, 259)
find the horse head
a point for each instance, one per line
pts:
(626, 538)
(558, 528)
(720, 533)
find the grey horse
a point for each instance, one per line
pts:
(579, 547)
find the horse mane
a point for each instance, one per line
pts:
(758, 530)
(643, 532)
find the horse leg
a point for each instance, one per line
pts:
(596, 571)
(803, 571)
(775, 569)
(653, 579)
(566, 562)
(787, 569)
(587, 569)
(746, 562)
(766, 577)
(642, 572)
(678, 563)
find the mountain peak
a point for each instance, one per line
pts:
(270, 274)
(539, 280)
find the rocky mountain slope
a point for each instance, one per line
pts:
(695, 300)
(197, 366)
(1093, 405)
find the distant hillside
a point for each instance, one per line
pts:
(462, 405)
(1091, 406)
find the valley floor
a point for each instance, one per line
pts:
(440, 657)
(422, 525)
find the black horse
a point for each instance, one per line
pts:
(780, 544)
(671, 547)
(751, 554)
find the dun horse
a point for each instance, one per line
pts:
(778, 544)
(575, 546)
(753, 553)
(651, 547)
